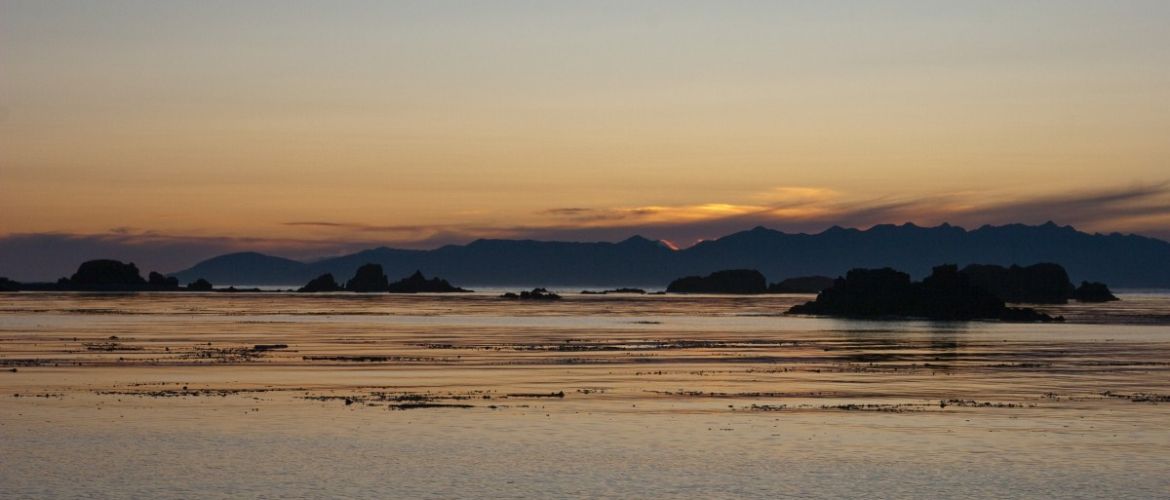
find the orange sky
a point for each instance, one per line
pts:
(419, 123)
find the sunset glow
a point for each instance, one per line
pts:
(320, 128)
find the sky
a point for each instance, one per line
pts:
(173, 131)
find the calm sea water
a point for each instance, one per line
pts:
(469, 396)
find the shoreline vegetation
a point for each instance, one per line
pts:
(975, 292)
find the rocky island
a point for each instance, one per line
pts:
(1093, 292)
(321, 284)
(417, 283)
(107, 275)
(370, 278)
(535, 294)
(731, 281)
(1043, 283)
(947, 294)
(628, 291)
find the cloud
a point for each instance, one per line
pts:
(1142, 208)
(369, 228)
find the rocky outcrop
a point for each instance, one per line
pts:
(628, 291)
(946, 294)
(7, 285)
(103, 274)
(733, 281)
(159, 282)
(803, 284)
(322, 283)
(199, 285)
(1093, 292)
(417, 283)
(535, 294)
(1044, 283)
(368, 278)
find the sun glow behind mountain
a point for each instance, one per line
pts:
(319, 129)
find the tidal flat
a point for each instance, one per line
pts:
(453, 396)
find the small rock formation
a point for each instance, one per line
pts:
(1043, 283)
(158, 281)
(1093, 292)
(368, 278)
(732, 281)
(631, 291)
(106, 274)
(946, 294)
(322, 283)
(803, 284)
(417, 283)
(199, 285)
(535, 294)
(7, 285)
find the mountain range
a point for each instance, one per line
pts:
(1121, 260)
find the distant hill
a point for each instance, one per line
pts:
(1122, 261)
(249, 268)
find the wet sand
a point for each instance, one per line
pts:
(468, 395)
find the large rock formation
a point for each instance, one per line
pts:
(1093, 292)
(803, 284)
(1044, 283)
(200, 285)
(535, 294)
(417, 283)
(886, 293)
(7, 285)
(159, 282)
(733, 281)
(322, 283)
(103, 274)
(368, 278)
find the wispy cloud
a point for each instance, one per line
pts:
(1141, 208)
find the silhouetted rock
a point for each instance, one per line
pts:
(7, 285)
(1044, 283)
(106, 274)
(417, 283)
(535, 294)
(158, 281)
(1026, 315)
(864, 293)
(1093, 292)
(322, 283)
(946, 294)
(233, 289)
(199, 285)
(803, 284)
(736, 281)
(368, 278)
(630, 291)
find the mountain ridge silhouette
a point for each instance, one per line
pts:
(1121, 260)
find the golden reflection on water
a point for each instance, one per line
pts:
(218, 395)
(669, 353)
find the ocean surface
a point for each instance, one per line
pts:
(271, 395)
